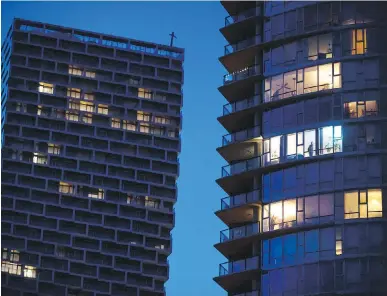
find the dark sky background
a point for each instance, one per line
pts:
(194, 260)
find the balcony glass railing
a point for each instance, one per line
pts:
(230, 48)
(242, 74)
(240, 199)
(242, 135)
(231, 19)
(239, 232)
(238, 266)
(241, 105)
(242, 166)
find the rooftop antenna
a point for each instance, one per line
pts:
(173, 36)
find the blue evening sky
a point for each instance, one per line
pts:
(194, 260)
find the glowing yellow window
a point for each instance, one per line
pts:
(162, 120)
(39, 158)
(72, 116)
(74, 93)
(143, 116)
(89, 97)
(87, 118)
(130, 126)
(53, 149)
(75, 71)
(103, 109)
(86, 106)
(99, 194)
(90, 74)
(29, 271)
(363, 204)
(116, 122)
(14, 257)
(144, 128)
(66, 188)
(74, 105)
(47, 88)
(145, 93)
(359, 41)
(11, 268)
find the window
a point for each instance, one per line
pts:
(162, 120)
(127, 125)
(318, 47)
(74, 105)
(53, 149)
(87, 118)
(116, 122)
(360, 109)
(75, 71)
(358, 41)
(151, 202)
(86, 106)
(145, 93)
(171, 134)
(339, 241)
(89, 97)
(46, 88)
(103, 109)
(157, 131)
(143, 116)
(144, 128)
(89, 74)
(134, 81)
(11, 268)
(74, 93)
(330, 138)
(363, 204)
(66, 188)
(39, 158)
(4, 254)
(29, 271)
(73, 116)
(99, 194)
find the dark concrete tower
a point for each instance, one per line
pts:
(91, 138)
(306, 149)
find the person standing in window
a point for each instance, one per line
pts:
(310, 149)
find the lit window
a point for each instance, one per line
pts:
(127, 125)
(39, 158)
(143, 116)
(46, 88)
(363, 204)
(86, 106)
(87, 118)
(66, 188)
(172, 134)
(72, 116)
(18, 107)
(89, 97)
(103, 109)
(162, 120)
(144, 128)
(11, 268)
(330, 139)
(4, 254)
(90, 74)
(151, 202)
(360, 109)
(116, 122)
(145, 93)
(75, 71)
(39, 112)
(339, 241)
(29, 271)
(74, 105)
(74, 93)
(359, 41)
(53, 149)
(98, 194)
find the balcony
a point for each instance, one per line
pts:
(232, 19)
(242, 166)
(230, 202)
(233, 274)
(239, 232)
(242, 74)
(232, 48)
(241, 105)
(240, 136)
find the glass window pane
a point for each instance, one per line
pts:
(310, 79)
(311, 206)
(275, 147)
(363, 211)
(325, 76)
(310, 142)
(351, 204)
(276, 213)
(375, 200)
(291, 144)
(290, 208)
(326, 205)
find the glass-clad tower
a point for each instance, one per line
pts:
(91, 137)
(305, 146)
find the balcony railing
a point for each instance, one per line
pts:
(252, 293)
(242, 135)
(240, 199)
(241, 105)
(239, 232)
(242, 166)
(231, 19)
(238, 266)
(230, 48)
(242, 74)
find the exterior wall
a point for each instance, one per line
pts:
(306, 148)
(89, 162)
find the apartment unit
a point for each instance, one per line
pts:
(306, 143)
(91, 138)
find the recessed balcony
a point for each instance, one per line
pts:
(242, 135)
(239, 114)
(240, 53)
(233, 274)
(235, 233)
(239, 208)
(242, 74)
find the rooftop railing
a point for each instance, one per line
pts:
(231, 19)
(241, 105)
(238, 266)
(240, 199)
(242, 74)
(239, 232)
(242, 135)
(231, 48)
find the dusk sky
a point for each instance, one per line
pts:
(194, 260)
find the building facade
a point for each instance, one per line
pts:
(306, 149)
(91, 138)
